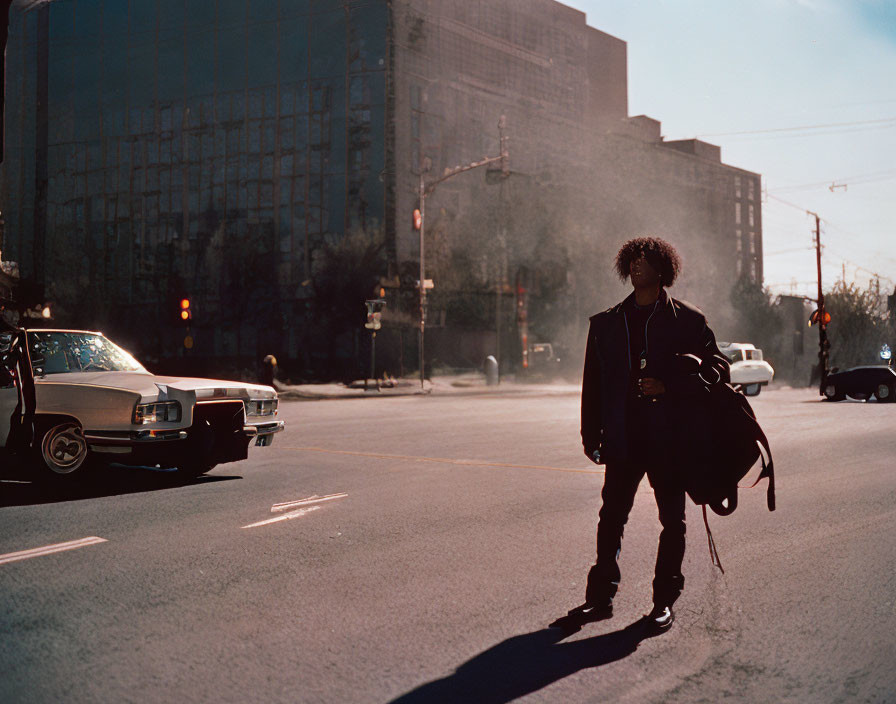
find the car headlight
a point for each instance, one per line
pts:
(156, 412)
(262, 407)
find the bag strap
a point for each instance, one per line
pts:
(713, 552)
(768, 470)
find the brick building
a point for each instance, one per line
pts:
(161, 149)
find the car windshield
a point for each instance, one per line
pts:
(62, 352)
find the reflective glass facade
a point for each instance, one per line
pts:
(165, 148)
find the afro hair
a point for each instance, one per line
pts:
(659, 254)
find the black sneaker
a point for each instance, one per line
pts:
(579, 616)
(660, 619)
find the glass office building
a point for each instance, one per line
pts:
(158, 149)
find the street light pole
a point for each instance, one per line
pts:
(425, 190)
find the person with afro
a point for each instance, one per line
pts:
(646, 360)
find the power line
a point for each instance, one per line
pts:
(786, 202)
(852, 180)
(803, 127)
(827, 222)
(817, 133)
(786, 251)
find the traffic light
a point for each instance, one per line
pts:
(417, 219)
(814, 318)
(186, 314)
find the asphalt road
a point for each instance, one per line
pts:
(466, 527)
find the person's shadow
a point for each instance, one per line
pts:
(526, 663)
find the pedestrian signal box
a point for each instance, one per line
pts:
(375, 308)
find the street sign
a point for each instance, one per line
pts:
(427, 284)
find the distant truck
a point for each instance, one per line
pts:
(749, 372)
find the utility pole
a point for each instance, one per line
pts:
(426, 189)
(823, 344)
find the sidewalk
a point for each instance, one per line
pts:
(470, 384)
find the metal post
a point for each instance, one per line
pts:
(422, 272)
(373, 359)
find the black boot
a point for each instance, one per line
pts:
(600, 591)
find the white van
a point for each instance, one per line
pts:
(749, 372)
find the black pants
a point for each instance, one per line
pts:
(620, 484)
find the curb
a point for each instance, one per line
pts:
(309, 393)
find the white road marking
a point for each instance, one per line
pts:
(50, 549)
(444, 460)
(304, 502)
(285, 517)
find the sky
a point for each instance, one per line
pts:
(812, 83)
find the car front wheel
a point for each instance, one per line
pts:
(831, 394)
(62, 450)
(752, 389)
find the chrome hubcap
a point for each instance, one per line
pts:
(883, 391)
(63, 448)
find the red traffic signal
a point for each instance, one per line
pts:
(185, 312)
(417, 219)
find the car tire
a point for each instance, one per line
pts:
(61, 451)
(752, 389)
(885, 393)
(831, 393)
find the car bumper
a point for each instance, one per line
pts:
(263, 432)
(165, 446)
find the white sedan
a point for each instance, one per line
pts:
(749, 372)
(91, 400)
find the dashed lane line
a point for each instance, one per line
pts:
(443, 460)
(305, 502)
(50, 549)
(309, 503)
(285, 517)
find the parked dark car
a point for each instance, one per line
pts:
(862, 383)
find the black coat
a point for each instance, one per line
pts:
(675, 330)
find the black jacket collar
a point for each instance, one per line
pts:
(664, 298)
